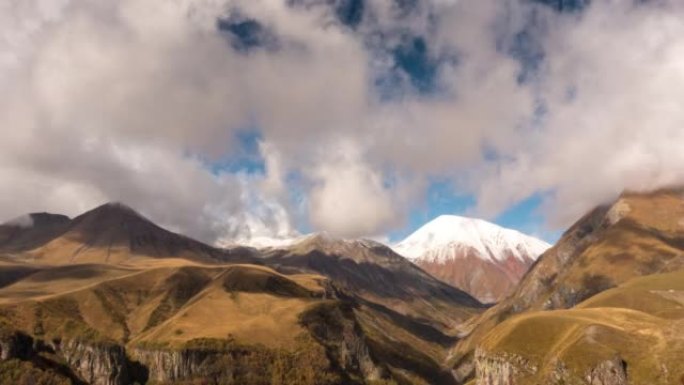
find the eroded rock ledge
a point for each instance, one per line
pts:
(512, 369)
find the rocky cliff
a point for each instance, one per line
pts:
(511, 369)
(333, 351)
(96, 364)
(79, 361)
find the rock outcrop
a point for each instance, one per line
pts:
(610, 372)
(334, 327)
(97, 364)
(174, 365)
(511, 369)
(500, 369)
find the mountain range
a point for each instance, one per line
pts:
(110, 298)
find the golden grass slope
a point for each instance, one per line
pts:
(638, 235)
(112, 276)
(165, 304)
(175, 304)
(640, 322)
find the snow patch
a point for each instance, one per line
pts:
(449, 236)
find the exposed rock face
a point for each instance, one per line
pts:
(488, 281)
(500, 369)
(96, 364)
(100, 364)
(510, 369)
(611, 372)
(173, 365)
(335, 327)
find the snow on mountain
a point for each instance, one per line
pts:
(476, 256)
(442, 238)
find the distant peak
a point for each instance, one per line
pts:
(117, 207)
(325, 238)
(112, 211)
(448, 232)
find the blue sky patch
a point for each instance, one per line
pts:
(244, 157)
(527, 218)
(442, 198)
(246, 34)
(350, 12)
(566, 5)
(413, 57)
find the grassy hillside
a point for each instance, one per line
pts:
(640, 323)
(250, 311)
(638, 235)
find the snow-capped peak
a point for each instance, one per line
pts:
(440, 238)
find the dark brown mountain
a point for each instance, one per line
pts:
(110, 233)
(31, 231)
(374, 271)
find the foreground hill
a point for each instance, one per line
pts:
(638, 235)
(111, 298)
(476, 256)
(632, 334)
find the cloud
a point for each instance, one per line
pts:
(611, 82)
(350, 198)
(356, 109)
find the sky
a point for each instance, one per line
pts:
(253, 120)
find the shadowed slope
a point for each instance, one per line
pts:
(31, 231)
(375, 272)
(114, 233)
(408, 315)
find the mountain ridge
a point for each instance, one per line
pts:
(112, 299)
(637, 235)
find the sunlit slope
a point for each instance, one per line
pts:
(173, 307)
(638, 235)
(122, 305)
(637, 327)
(187, 311)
